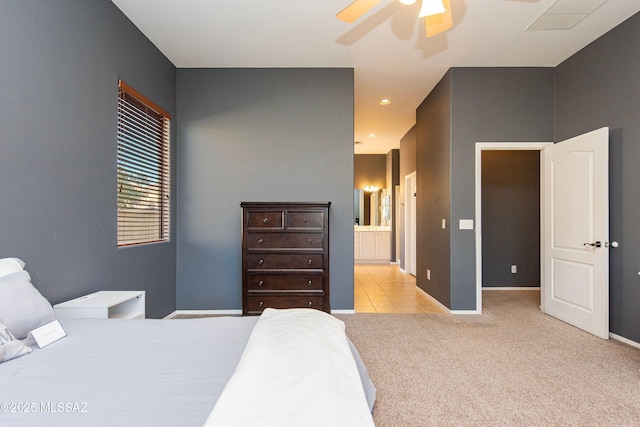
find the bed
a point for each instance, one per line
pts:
(170, 372)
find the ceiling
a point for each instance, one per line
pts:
(387, 47)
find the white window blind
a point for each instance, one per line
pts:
(143, 169)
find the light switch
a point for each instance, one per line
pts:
(444, 224)
(466, 224)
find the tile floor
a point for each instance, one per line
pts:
(385, 289)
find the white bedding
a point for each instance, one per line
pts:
(109, 373)
(297, 370)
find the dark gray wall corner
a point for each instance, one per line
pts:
(489, 105)
(433, 184)
(469, 105)
(259, 135)
(58, 78)
(393, 179)
(599, 87)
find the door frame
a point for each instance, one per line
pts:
(510, 146)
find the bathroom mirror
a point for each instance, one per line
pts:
(371, 207)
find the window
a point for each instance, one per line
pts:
(143, 169)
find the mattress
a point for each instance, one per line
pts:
(129, 372)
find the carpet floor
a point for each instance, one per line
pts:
(510, 366)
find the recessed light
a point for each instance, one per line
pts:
(385, 101)
(372, 135)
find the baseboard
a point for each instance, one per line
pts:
(511, 288)
(353, 311)
(205, 312)
(624, 340)
(447, 309)
(433, 300)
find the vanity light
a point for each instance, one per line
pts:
(371, 188)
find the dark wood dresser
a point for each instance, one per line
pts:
(285, 256)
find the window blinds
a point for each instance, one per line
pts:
(143, 169)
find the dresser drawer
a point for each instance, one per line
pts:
(281, 282)
(265, 219)
(257, 303)
(284, 240)
(294, 261)
(285, 255)
(305, 219)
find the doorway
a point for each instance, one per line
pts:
(480, 147)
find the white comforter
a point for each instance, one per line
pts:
(296, 370)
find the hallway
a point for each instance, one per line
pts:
(383, 288)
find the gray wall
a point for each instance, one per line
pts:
(370, 169)
(600, 86)
(469, 105)
(510, 218)
(489, 105)
(259, 135)
(433, 188)
(61, 61)
(393, 179)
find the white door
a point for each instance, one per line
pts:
(575, 244)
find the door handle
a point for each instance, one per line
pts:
(597, 244)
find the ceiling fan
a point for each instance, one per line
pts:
(437, 13)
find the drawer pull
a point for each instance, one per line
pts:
(310, 304)
(310, 241)
(305, 220)
(309, 284)
(310, 262)
(261, 261)
(261, 304)
(265, 220)
(260, 283)
(260, 240)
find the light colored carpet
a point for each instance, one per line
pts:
(512, 365)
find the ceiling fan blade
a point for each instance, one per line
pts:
(356, 9)
(441, 22)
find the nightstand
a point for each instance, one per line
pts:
(104, 305)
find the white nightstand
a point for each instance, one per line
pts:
(104, 305)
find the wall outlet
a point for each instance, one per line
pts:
(428, 274)
(514, 269)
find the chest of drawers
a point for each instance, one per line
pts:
(285, 256)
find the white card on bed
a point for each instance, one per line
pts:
(46, 334)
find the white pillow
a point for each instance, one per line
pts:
(22, 307)
(10, 265)
(10, 347)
